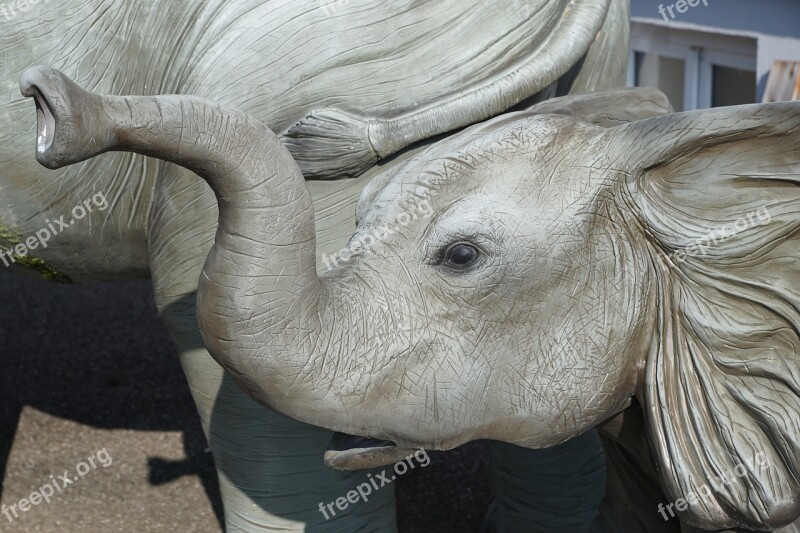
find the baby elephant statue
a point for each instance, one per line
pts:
(643, 278)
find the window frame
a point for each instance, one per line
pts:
(700, 50)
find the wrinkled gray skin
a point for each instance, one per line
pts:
(556, 284)
(295, 66)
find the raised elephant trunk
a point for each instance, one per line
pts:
(266, 218)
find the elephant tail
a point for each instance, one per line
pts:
(329, 144)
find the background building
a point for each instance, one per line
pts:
(709, 53)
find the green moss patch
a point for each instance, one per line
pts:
(36, 264)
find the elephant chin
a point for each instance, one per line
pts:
(349, 452)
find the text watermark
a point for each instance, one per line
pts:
(681, 6)
(54, 227)
(702, 245)
(420, 207)
(9, 10)
(362, 492)
(57, 484)
(706, 492)
(331, 6)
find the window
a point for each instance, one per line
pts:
(695, 69)
(731, 86)
(666, 73)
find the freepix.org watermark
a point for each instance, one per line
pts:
(706, 492)
(419, 207)
(331, 6)
(11, 9)
(701, 246)
(374, 484)
(681, 6)
(56, 485)
(54, 227)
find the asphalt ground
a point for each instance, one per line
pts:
(88, 369)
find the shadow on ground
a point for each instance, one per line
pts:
(98, 355)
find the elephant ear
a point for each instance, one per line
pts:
(715, 197)
(607, 108)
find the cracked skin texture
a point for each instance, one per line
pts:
(124, 52)
(161, 218)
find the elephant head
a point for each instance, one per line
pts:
(520, 281)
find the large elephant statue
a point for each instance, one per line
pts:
(641, 277)
(350, 85)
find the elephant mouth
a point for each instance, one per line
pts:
(45, 123)
(351, 452)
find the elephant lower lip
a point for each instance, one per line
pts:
(351, 452)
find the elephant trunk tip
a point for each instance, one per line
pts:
(60, 101)
(45, 125)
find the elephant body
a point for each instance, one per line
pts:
(296, 58)
(277, 61)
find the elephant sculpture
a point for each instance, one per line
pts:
(641, 278)
(353, 87)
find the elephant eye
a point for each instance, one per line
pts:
(460, 255)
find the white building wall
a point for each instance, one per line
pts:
(773, 26)
(771, 17)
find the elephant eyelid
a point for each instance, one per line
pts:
(464, 220)
(438, 258)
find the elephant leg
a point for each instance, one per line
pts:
(271, 471)
(557, 489)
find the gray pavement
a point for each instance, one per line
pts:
(87, 368)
